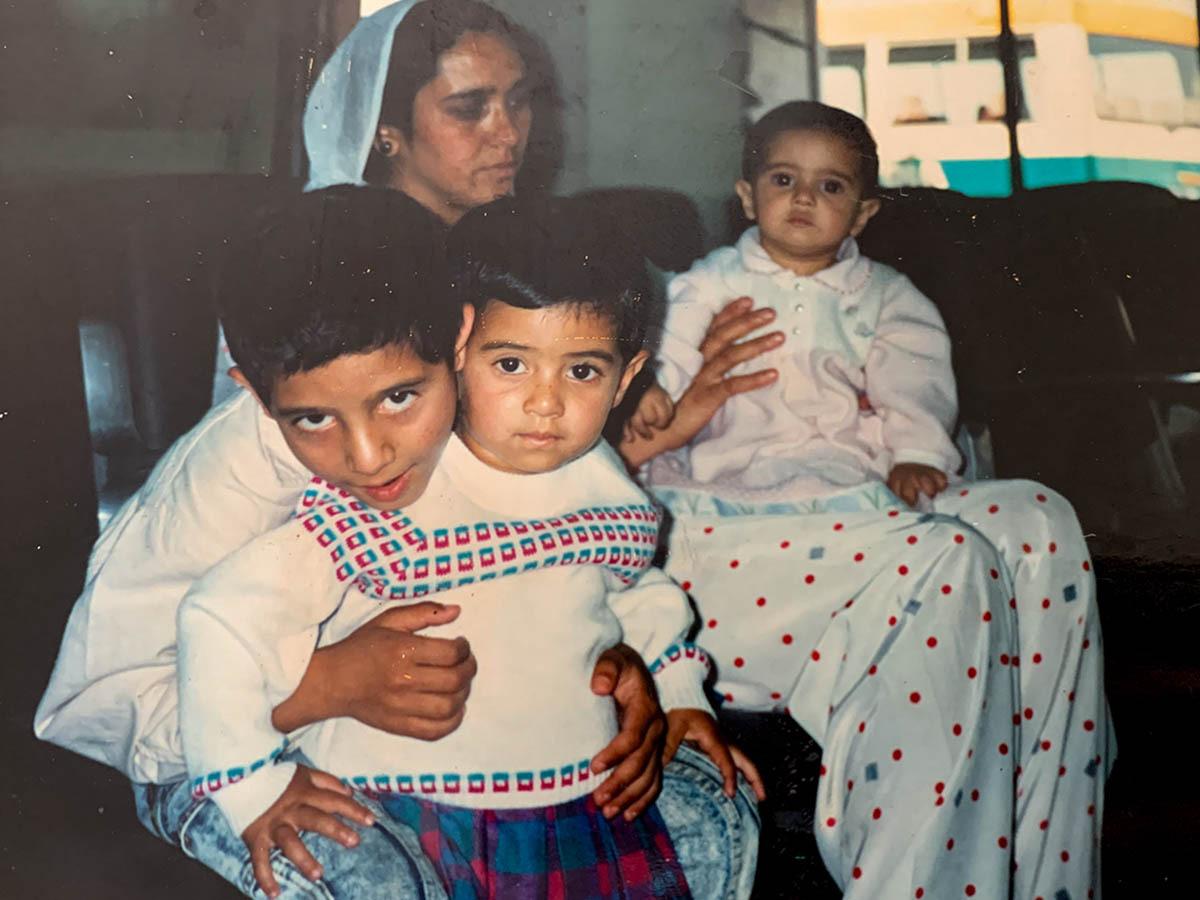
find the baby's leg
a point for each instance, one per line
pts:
(388, 862)
(882, 635)
(1066, 742)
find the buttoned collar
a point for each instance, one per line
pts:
(848, 275)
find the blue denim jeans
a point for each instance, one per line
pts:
(716, 839)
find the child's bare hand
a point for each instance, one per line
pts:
(635, 754)
(654, 413)
(909, 481)
(313, 801)
(698, 727)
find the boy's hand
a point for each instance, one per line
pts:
(654, 412)
(909, 481)
(698, 727)
(313, 801)
(636, 751)
(386, 676)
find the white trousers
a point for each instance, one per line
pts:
(962, 717)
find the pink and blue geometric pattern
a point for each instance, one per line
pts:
(452, 783)
(685, 650)
(209, 784)
(389, 557)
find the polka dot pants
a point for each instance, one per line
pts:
(959, 731)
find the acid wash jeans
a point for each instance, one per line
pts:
(715, 837)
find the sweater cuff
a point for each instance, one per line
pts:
(244, 801)
(923, 458)
(679, 675)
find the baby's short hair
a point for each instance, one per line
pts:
(809, 115)
(338, 272)
(553, 253)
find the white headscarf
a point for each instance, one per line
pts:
(342, 111)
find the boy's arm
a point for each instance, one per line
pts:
(247, 632)
(910, 380)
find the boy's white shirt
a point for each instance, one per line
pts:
(856, 327)
(113, 695)
(536, 636)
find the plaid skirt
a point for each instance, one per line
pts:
(564, 852)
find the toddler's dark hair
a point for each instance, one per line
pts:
(554, 253)
(338, 272)
(809, 115)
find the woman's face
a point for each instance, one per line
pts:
(470, 125)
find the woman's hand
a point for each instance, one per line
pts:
(696, 726)
(635, 754)
(387, 676)
(909, 481)
(712, 385)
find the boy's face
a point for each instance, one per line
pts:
(538, 385)
(374, 424)
(807, 199)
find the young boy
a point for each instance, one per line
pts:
(525, 487)
(113, 693)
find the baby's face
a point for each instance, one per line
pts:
(807, 199)
(538, 385)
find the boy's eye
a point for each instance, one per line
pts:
(781, 179)
(398, 400)
(313, 422)
(832, 186)
(510, 365)
(584, 372)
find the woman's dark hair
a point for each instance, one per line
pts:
(430, 29)
(339, 271)
(808, 115)
(547, 254)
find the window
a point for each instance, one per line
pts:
(842, 79)
(1145, 81)
(919, 82)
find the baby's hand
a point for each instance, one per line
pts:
(312, 801)
(654, 413)
(698, 727)
(909, 481)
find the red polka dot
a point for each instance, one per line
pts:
(876, 813)
(969, 890)
(950, 844)
(993, 509)
(975, 796)
(1041, 498)
(939, 787)
(872, 670)
(1027, 548)
(1062, 770)
(1003, 748)
(912, 538)
(1003, 842)
(712, 623)
(831, 821)
(1092, 809)
(1071, 697)
(858, 557)
(963, 493)
(957, 729)
(1089, 725)
(987, 615)
(838, 526)
(892, 621)
(946, 589)
(897, 754)
(733, 563)
(920, 893)
(708, 529)
(816, 655)
(857, 873)
(903, 570)
(849, 603)
(994, 573)
(1028, 713)
(783, 545)
(687, 585)
(775, 695)
(972, 672)
(1053, 547)
(1046, 603)
(1066, 857)
(1012, 603)
(862, 726)
(787, 639)
(1016, 718)
(850, 785)
(1046, 745)
(809, 579)
(1045, 823)
(892, 513)
(1004, 659)
(823, 770)
(739, 662)
(761, 601)
(1086, 643)
(931, 643)
(939, 801)
(1087, 566)
(729, 698)
(915, 697)
(958, 539)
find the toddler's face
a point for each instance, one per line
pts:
(807, 199)
(374, 424)
(538, 384)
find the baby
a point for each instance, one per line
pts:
(865, 395)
